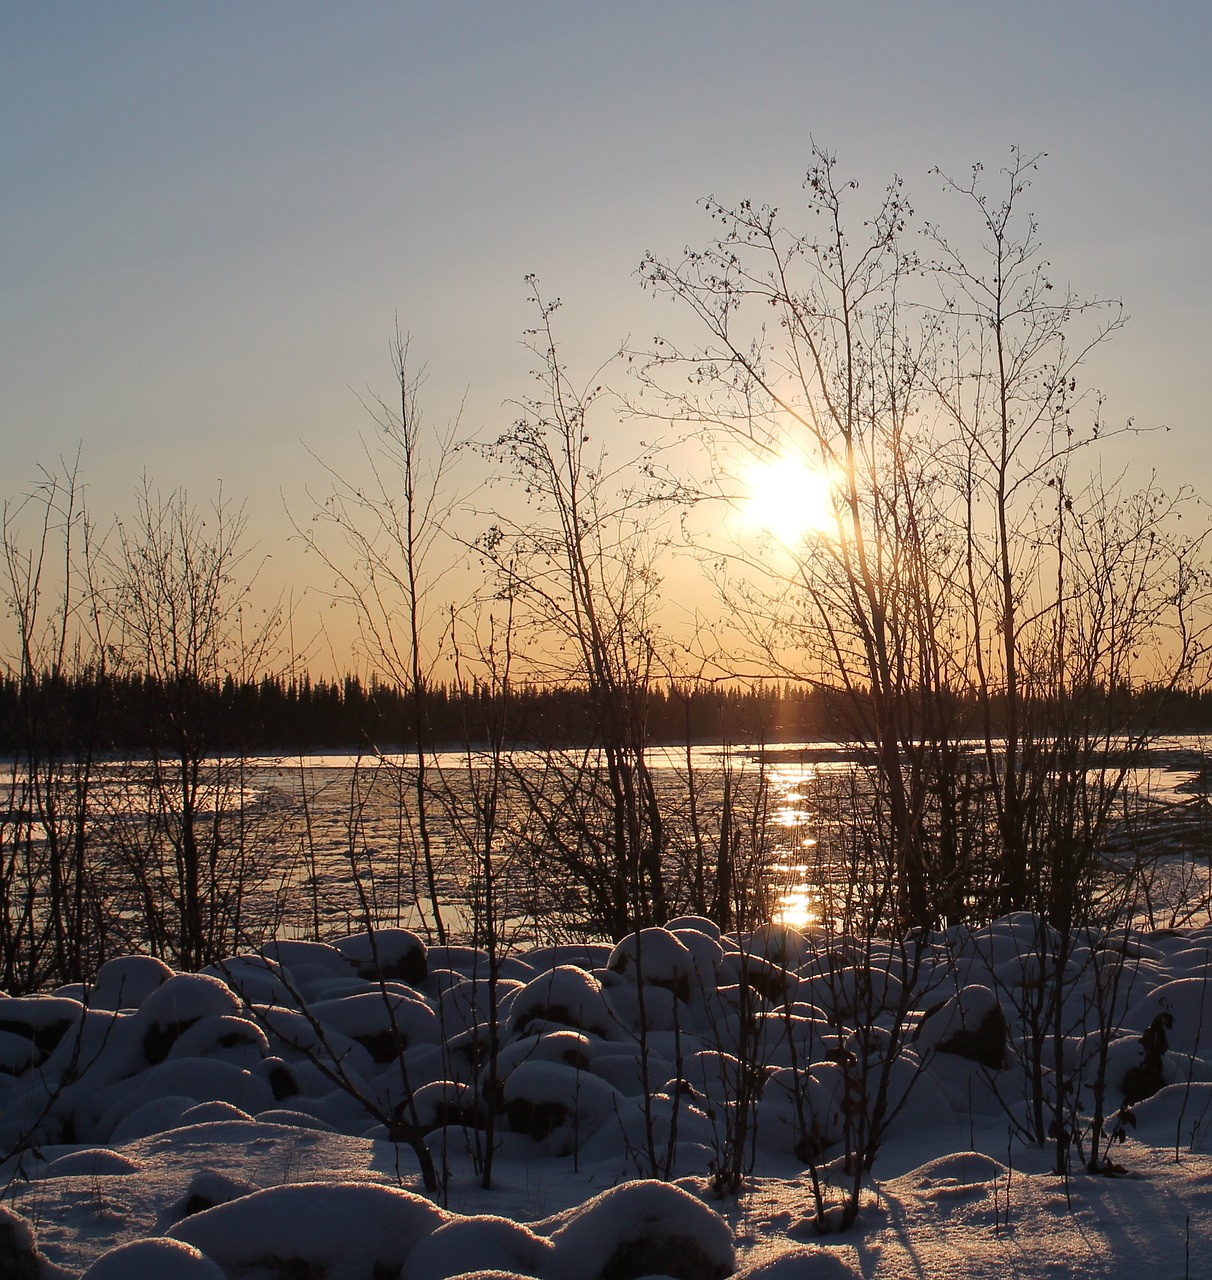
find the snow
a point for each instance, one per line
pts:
(659, 956)
(154, 1259)
(126, 981)
(387, 953)
(564, 996)
(261, 1120)
(477, 1244)
(346, 1231)
(659, 1223)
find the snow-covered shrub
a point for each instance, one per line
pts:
(970, 1024)
(714, 1073)
(556, 1104)
(386, 955)
(695, 924)
(562, 997)
(157, 1115)
(661, 1129)
(467, 961)
(154, 1259)
(455, 999)
(297, 1038)
(89, 1162)
(103, 1047)
(631, 1073)
(126, 981)
(205, 1190)
(300, 958)
(19, 1255)
(578, 955)
(637, 1006)
(41, 1020)
(292, 1119)
(856, 991)
(18, 1053)
(801, 1113)
(1187, 1000)
(199, 1079)
(1177, 1116)
(572, 1048)
(341, 1231)
(656, 957)
(445, 1102)
(256, 979)
(790, 1036)
(467, 1245)
(176, 1005)
(765, 979)
(1010, 939)
(810, 1263)
(222, 1036)
(214, 1112)
(781, 944)
(384, 1022)
(706, 954)
(643, 1228)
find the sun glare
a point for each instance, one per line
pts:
(788, 499)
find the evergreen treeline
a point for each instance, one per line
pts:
(276, 714)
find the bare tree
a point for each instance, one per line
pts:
(581, 569)
(478, 808)
(969, 533)
(183, 604)
(837, 382)
(385, 562)
(53, 920)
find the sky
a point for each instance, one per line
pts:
(215, 213)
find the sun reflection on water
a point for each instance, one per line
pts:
(796, 900)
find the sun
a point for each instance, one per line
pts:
(788, 499)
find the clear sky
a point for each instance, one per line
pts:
(213, 212)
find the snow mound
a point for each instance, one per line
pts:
(959, 1171)
(387, 954)
(556, 1104)
(803, 1264)
(222, 1036)
(154, 1259)
(301, 1071)
(490, 1275)
(470, 1245)
(197, 1079)
(655, 956)
(205, 1190)
(342, 1231)
(780, 943)
(20, 1258)
(384, 1022)
(1179, 1116)
(565, 996)
(642, 1229)
(306, 962)
(572, 1048)
(91, 1162)
(17, 1053)
(176, 1005)
(443, 1102)
(126, 981)
(156, 1116)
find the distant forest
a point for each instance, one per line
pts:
(276, 715)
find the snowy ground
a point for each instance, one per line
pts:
(239, 1122)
